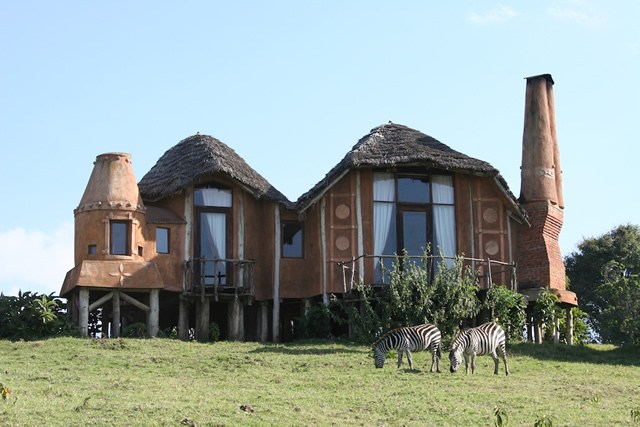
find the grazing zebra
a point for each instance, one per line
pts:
(406, 340)
(488, 338)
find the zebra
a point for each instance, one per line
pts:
(488, 338)
(406, 340)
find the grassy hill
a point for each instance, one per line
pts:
(73, 381)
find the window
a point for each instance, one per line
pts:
(412, 211)
(213, 227)
(162, 240)
(292, 239)
(119, 238)
(93, 249)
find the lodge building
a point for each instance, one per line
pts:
(204, 238)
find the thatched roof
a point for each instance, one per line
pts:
(393, 145)
(198, 156)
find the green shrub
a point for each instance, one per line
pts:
(214, 331)
(31, 316)
(135, 330)
(508, 309)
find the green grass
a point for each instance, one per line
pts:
(72, 381)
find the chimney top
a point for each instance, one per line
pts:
(547, 77)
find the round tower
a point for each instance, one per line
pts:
(110, 220)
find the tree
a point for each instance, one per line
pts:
(605, 274)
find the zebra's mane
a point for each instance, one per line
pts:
(382, 338)
(458, 334)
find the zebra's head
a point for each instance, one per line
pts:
(455, 358)
(379, 356)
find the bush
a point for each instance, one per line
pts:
(31, 316)
(135, 330)
(214, 331)
(508, 309)
(446, 301)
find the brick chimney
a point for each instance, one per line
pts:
(539, 258)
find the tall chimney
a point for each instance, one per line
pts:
(539, 258)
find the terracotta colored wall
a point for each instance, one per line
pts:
(91, 227)
(259, 219)
(539, 251)
(171, 265)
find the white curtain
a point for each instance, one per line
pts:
(383, 191)
(444, 221)
(215, 226)
(216, 197)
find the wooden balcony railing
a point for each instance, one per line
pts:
(487, 269)
(206, 276)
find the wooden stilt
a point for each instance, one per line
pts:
(153, 316)
(202, 319)
(83, 312)
(183, 319)
(115, 322)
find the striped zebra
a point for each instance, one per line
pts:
(488, 338)
(406, 340)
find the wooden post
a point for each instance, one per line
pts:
(276, 278)
(556, 330)
(183, 319)
(153, 315)
(569, 326)
(83, 312)
(115, 322)
(263, 322)
(202, 319)
(236, 320)
(307, 305)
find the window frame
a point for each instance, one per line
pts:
(127, 237)
(283, 224)
(168, 240)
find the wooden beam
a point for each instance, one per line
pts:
(135, 302)
(101, 301)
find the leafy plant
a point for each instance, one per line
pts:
(546, 310)
(544, 421)
(446, 300)
(214, 331)
(135, 330)
(635, 415)
(508, 308)
(502, 418)
(31, 316)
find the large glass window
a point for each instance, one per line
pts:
(119, 238)
(213, 215)
(412, 211)
(292, 239)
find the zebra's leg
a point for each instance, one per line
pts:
(504, 359)
(410, 359)
(434, 357)
(466, 363)
(400, 358)
(496, 361)
(473, 363)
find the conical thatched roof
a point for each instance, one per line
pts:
(393, 145)
(196, 157)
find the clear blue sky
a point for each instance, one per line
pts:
(291, 87)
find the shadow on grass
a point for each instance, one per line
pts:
(312, 347)
(590, 353)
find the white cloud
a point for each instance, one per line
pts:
(577, 11)
(500, 14)
(36, 261)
